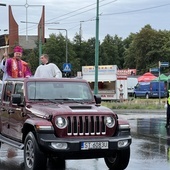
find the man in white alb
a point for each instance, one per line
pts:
(47, 70)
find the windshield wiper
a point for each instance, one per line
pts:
(55, 100)
(73, 100)
(59, 100)
(46, 100)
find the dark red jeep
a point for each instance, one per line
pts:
(60, 119)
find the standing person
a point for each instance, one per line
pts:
(168, 110)
(121, 93)
(47, 70)
(3, 65)
(15, 67)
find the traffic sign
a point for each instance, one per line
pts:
(154, 70)
(66, 67)
(164, 64)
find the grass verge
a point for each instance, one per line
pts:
(147, 104)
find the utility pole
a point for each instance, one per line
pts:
(80, 31)
(40, 44)
(159, 64)
(96, 49)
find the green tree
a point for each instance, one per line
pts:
(111, 51)
(142, 50)
(129, 53)
(55, 47)
(108, 51)
(148, 47)
(119, 44)
(89, 52)
(78, 48)
(32, 57)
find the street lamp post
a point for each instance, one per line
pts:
(2, 4)
(66, 40)
(40, 44)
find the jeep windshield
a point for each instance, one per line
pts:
(59, 91)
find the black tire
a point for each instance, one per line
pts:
(57, 163)
(34, 159)
(119, 161)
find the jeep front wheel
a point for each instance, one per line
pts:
(34, 159)
(119, 160)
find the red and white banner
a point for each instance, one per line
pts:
(126, 72)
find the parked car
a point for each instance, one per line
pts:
(131, 83)
(153, 89)
(59, 119)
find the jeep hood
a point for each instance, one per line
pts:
(48, 109)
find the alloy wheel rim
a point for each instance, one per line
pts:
(29, 154)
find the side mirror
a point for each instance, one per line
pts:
(97, 99)
(16, 99)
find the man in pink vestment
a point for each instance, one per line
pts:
(15, 67)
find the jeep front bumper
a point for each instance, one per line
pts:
(88, 147)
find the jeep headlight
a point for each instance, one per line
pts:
(109, 121)
(61, 122)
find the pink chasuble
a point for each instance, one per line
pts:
(17, 68)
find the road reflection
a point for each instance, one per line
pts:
(12, 159)
(152, 144)
(168, 143)
(150, 150)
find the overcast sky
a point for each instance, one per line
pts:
(120, 17)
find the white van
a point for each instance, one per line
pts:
(131, 83)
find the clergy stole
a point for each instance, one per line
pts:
(17, 68)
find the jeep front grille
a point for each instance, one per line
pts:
(86, 125)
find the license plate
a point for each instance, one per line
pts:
(94, 145)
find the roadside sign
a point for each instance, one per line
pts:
(154, 70)
(66, 67)
(164, 64)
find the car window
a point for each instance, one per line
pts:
(19, 90)
(59, 90)
(8, 91)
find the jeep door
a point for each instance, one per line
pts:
(16, 117)
(5, 108)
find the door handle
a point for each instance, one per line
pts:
(10, 111)
(2, 109)
(23, 114)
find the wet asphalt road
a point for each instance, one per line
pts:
(150, 149)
